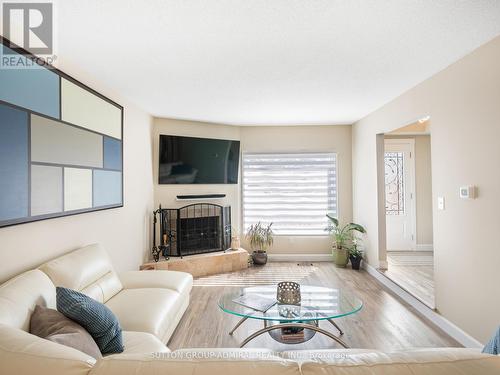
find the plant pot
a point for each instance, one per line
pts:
(259, 258)
(355, 262)
(340, 257)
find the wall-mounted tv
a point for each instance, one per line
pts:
(189, 160)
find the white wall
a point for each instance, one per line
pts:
(124, 232)
(463, 102)
(263, 139)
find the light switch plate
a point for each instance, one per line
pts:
(440, 203)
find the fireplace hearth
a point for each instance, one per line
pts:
(194, 229)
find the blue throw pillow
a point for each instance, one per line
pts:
(493, 347)
(96, 318)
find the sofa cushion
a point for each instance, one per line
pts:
(87, 270)
(171, 363)
(324, 355)
(95, 317)
(146, 310)
(22, 353)
(20, 295)
(230, 354)
(50, 324)
(442, 361)
(181, 282)
(142, 342)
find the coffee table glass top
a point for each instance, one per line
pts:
(317, 303)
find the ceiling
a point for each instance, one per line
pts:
(268, 62)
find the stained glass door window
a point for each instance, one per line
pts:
(394, 183)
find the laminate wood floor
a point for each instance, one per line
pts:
(385, 322)
(414, 272)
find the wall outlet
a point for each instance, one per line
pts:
(441, 203)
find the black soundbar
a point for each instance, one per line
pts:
(200, 196)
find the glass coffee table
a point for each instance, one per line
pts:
(293, 324)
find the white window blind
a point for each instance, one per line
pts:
(293, 191)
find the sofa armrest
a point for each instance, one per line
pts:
(22, 353)
(181, 282)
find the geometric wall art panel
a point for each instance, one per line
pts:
(85, 109)
(46, 190)
(61, 146)
(77, 189)
(13, 163)
(107, 188)
(57, 143)
(36, 89)
(112, 154)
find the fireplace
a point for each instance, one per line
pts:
(194, 229)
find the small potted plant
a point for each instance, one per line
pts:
(260, 238)
(355, 254)
(342, 239)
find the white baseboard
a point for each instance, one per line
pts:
(300, 257)
(425, 247)
(447, 326)
(382, 264)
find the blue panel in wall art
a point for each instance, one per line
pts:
(33, 87)
(112, 153)
(107, 188)
(13, 163)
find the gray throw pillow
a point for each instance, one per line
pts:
(95, 317)
(52, 325)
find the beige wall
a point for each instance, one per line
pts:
(124, 232)
(263, 139)
(423, 186)
(463, 102)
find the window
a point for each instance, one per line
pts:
(394, 184)
(293, 191)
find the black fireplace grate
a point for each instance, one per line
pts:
(194, 229)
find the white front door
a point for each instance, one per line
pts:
(399, 158)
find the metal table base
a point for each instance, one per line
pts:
(312, 325)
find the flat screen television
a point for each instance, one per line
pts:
(189, 160)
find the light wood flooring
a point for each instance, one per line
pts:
(414, 272)
(385, 322)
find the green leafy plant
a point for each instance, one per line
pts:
(343, 236)
(353, 250)
(260, 237)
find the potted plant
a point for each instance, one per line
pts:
(355, 254)
(342, 239)
(260, 238)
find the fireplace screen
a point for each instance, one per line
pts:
(194, 229)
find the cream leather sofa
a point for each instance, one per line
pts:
(149, 305)
(151, 302)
